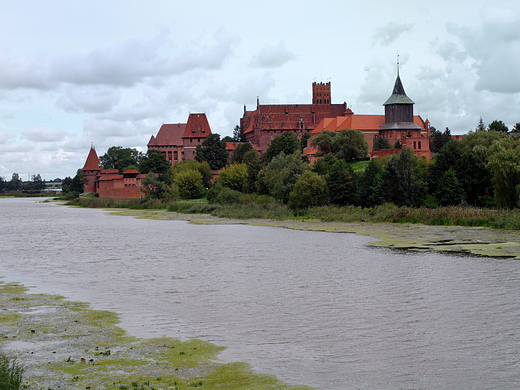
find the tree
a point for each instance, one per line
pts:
(252, 161)
(234, 177)
(238, 154)
(370, 185)
(504, 166)
(37, 183)
(238, 135)
(342, 182)
(189, 182)
(202, 167)
(497, 125)
(449, 190)
(346, 144)
(516, 128)
(121, 158)
(227, 138)
(481, 126)
(286, 142)
(479, 142)
(154, 162)
(382, 143)
(310, 190)
(442, 161)
(404, 185)
(213, 151)
(438, 139)
(279, 176)
(3, 183)
(153, 186)
(473, 176)
(15, 184)
(73, 185)
(303, 141)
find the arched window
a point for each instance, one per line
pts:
(414, 145)
(420, 145)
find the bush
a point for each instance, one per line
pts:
(309, 190)
(11, 373)
(189, 183)
(227, 196)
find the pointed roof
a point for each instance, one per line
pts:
(168, 135)
(398, 95)
(92, 163)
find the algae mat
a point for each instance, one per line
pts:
(67, 345)
(479, 241)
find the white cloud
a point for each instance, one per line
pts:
(390, 33)
(41, 134)
(272, 56)
(94, 99)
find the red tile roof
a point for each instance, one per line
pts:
(92, 163)
(197, 126)
(168, 135)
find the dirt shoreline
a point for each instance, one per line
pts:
(478, 241)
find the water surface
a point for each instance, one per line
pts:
(313, 308)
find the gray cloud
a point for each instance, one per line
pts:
(272, 56)
(41, 134)
(390, 33)
(95, 99)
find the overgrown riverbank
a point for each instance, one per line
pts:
(67, 345)
(441, 216)
(413, 235)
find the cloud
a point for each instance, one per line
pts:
(493, 48)
(388, 34)
(41, 134)
(125, 63)
(95, 99)
(272, 56)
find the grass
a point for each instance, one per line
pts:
(11, 373)
(445, 216)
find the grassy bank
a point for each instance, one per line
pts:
(67, 345)
(443, 216)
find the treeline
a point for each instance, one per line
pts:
(18, 185)
(482, 170)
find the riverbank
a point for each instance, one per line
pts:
(67, 345)
(479, 241)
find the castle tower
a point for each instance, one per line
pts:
(90, 171)
(399, 109)
(321, 93)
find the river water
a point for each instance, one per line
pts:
(314, 308)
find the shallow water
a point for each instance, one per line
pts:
(313, 308)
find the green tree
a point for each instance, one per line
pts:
(442, 161)
(504, 166)
(382, 143)
(3, 183)
(213, 151)
(238, 154)
(479, 142)
(346, 144)
(342, 182)
(497, 125)
(202, 167)
(238, 134)
(370, 185)
(234, 177)
(286, 142)
(37, 183)
(279, 176)
(449, 190)
(474, 177)
(481, 126)
(121, 158)
(310, 190)
(252, 160)
(73, 185)
(404, 185)
(303, 141)
(438, 139)
(155, 162)
(189, 182)
(153, 186)
(516, 128)
(15, 184)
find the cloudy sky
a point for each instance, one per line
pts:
(110, 73)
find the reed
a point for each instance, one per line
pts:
(11, 373)
(266, 208)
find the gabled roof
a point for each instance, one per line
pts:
(197, 126)
(168, 135)
(92, 163)
(398, 95)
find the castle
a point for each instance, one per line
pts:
(178, 142)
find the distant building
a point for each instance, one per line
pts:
(268, 121)
(397, 124)
(108, 183)
(178, 142)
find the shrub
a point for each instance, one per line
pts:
(11, 373)
(227, 196)
(309, 190)
(190, 184)
(234, 177)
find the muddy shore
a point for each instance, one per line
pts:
(66, 345)
(478, 241)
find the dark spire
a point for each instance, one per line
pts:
(398, 94)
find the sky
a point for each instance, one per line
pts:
(77, 73)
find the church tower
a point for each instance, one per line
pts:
(321, 93)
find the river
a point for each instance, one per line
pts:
(314, 308)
